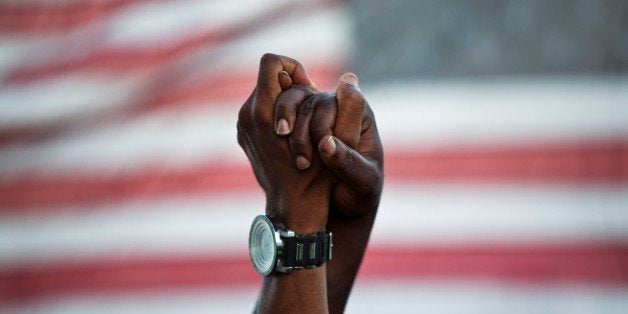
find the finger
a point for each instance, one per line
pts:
(324, 118)
(268, 86)
(348, 165)
(284, 80)
(300, 141)
(286, 108)
(351, 104)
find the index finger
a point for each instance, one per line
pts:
(268, 86)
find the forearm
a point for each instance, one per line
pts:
(351, 236)
(301, 291)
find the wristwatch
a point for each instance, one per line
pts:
(275, 249)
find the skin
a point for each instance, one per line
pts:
(321, 168)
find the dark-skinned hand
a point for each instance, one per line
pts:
(298, 200)
(344, 131)
(343, 178)
(354, 154)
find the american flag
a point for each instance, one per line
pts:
(123, 189)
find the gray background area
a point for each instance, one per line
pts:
(449, 38)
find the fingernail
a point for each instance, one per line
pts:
(282, 127)
(329, 148)
(350, 79)
(302, 162)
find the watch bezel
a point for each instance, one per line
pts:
(278, 246)
(261, 222)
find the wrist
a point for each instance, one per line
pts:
(303, 215)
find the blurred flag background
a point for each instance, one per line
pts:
(505, 126)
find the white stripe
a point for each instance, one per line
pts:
(465, 113)
(319, 38)
(461, 213)
(483, 297)
(174, 139)
(156, 23)
(445, 114)
(410, 215)
(405, 296)
(68, 96)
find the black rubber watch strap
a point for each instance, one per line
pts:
(307, 251)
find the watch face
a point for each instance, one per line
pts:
(262, 245)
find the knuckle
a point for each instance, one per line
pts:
(244, 118)
(241, 114)
(268, 58)
(327, 101)
(240, 134)
(347, 163)
(304, 89)
(259, 118)
(300, 147)
(300, 140)
(376, 177)
(368, 120)
(282, 107)
(240, 140)
(354, 99)
(308, 105)
(368, 112)
(369, 182)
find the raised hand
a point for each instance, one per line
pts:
(299, 200)
(344, 131)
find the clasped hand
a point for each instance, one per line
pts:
(310, 151)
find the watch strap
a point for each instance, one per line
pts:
(308, 251)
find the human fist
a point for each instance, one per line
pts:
(297, 199)
(343, 130)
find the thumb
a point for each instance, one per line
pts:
(348, 165)
(351, 106)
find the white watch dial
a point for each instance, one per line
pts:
(262, 245)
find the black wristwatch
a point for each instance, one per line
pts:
(275, 249)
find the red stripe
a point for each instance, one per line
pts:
(219, 88)
(122, 60)
(34, 191)
(602, 263)
(600, 162)
(53, 17)
(588, 263)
